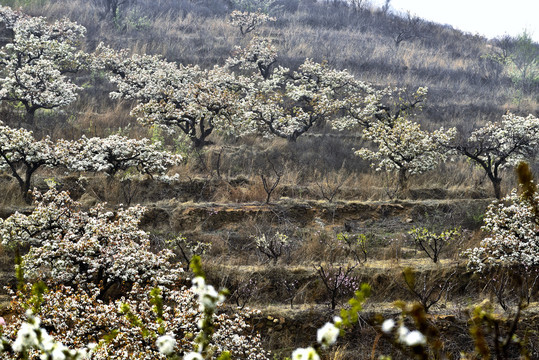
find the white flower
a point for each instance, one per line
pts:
(305, 354)
(414, 338)
(47, 342)
(327, 334)
(58, 352)
(166, 344)
(388, 325)
(193, 356)
(402, 332)
(26, 337)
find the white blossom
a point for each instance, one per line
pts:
(26, 337)
(166, 344)
(193, 356)
(305, 354)
(327, 334)
(414, 338)
(388, 325)
(402, 333)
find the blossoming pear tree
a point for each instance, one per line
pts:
(260, 55)
(499, 145)
(100, 247)
(22, 155)
(509, 255)
(33, 66)
(514, 235)
(368, 105)
(405, 148)
(247, 21)
(193, 101)
(513, 226)
(115, 153)
(288, 104)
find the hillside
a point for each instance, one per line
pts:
(294, 186)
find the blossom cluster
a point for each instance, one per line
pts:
(403, 334)
(8, 16)
(32, 338)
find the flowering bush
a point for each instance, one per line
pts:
(99, 247)
(338, 281)
(514, 235)
(272, 246)
(87, 259)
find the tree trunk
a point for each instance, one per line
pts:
(496, 183)
(29, 117)
(403, 178)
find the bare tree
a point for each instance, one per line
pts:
(406, 29)
(385, 8)
(110, 8)
(358, 5)
(270, 186)
(427, 292)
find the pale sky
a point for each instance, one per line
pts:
(491, 18)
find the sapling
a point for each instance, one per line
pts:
(427, 291)
(273, 246)
(355, 245)
(432, 243)
(338, 281)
